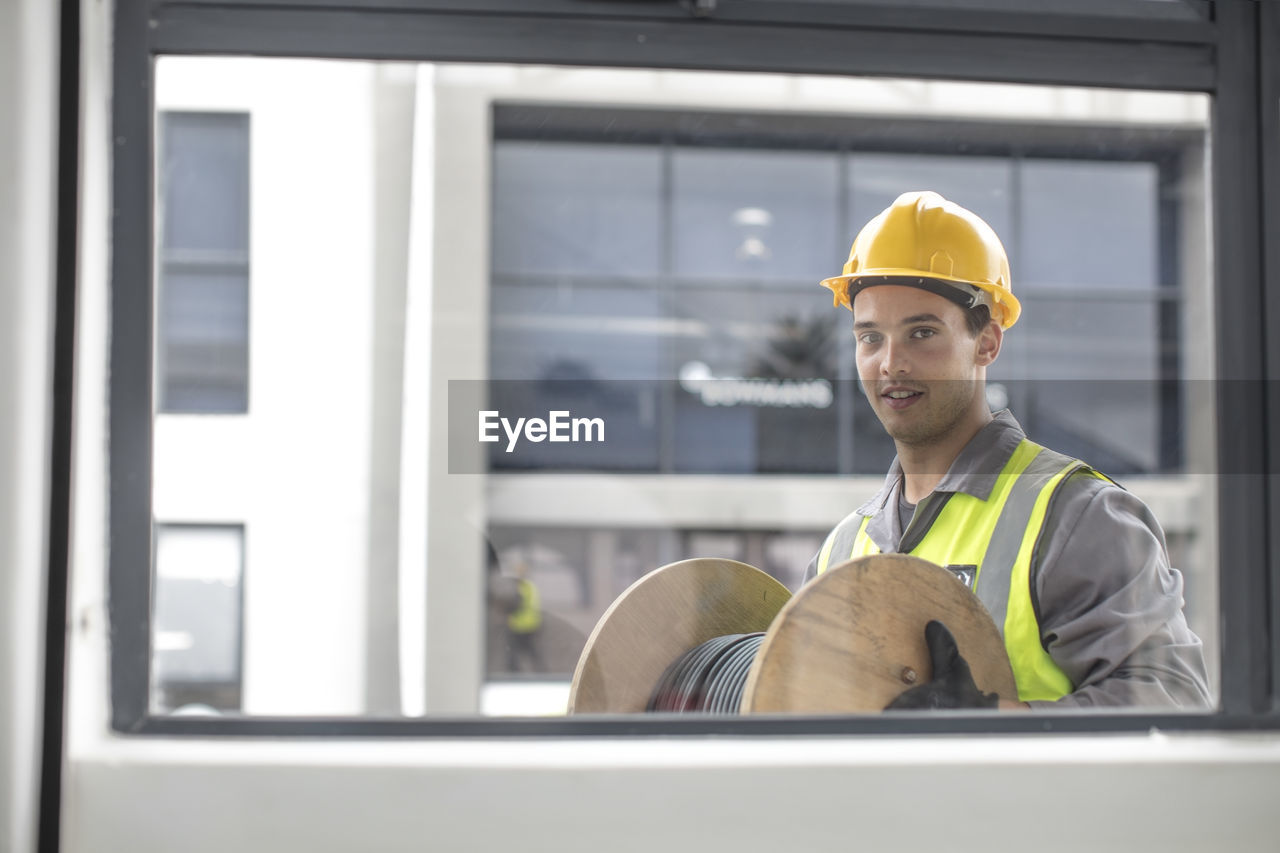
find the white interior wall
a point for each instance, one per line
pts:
(28, 149)
(1110, 794)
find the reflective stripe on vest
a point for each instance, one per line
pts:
(998, 536)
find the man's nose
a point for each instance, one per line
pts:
(895, 362)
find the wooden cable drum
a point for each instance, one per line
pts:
(658, 619)
(853, 639)
(720, 636)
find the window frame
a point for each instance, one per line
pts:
(1231, 55)
(1268, 186)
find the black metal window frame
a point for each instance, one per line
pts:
(1231, 51)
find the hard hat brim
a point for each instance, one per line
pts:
(1005, 308)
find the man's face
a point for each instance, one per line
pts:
(919, 366)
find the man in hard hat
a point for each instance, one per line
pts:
(1072, 567)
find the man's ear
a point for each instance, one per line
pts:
(988, 343)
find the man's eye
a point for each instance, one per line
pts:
(868, 338)
(923, 333)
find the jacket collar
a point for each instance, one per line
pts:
(974, 470)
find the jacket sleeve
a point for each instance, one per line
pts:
(1110, 605)
(811, 570)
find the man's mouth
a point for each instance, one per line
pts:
(900, 398)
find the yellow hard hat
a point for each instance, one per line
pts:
(923, 240)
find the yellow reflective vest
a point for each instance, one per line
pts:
(527, 617)
(991, 542)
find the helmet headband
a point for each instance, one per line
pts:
(965, 295)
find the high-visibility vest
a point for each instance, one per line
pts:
(993, 540)
(527, 617)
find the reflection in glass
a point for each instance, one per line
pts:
(1070, 241)
(981, 183)
(572, 209)
(742, 217)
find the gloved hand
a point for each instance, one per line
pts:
(952, 685)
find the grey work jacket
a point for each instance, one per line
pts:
(1108, 603)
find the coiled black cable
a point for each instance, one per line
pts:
(709, 678)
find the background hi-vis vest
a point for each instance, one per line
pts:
(996, 539)
(527, 617)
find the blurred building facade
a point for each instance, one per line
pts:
(346, 248)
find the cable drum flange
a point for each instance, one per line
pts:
(662, 617)
(853, 639)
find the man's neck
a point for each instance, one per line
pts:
(924, 466)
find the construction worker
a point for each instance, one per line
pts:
(524, 624)
(1072, 567)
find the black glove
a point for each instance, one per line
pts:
(952, 685)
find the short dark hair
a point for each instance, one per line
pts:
(977, 318)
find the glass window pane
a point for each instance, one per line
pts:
(581, 330)
(1102, 402)
(552, 566)
(1088, 224)
(563, 208)
(755, 391)
(202, 321)
(203, 331)
(591, 351)
(204, 181)
(196, 627)
(743, 216)
(643, 245)
(577, 573)
(981, 184)
(1123, 341)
